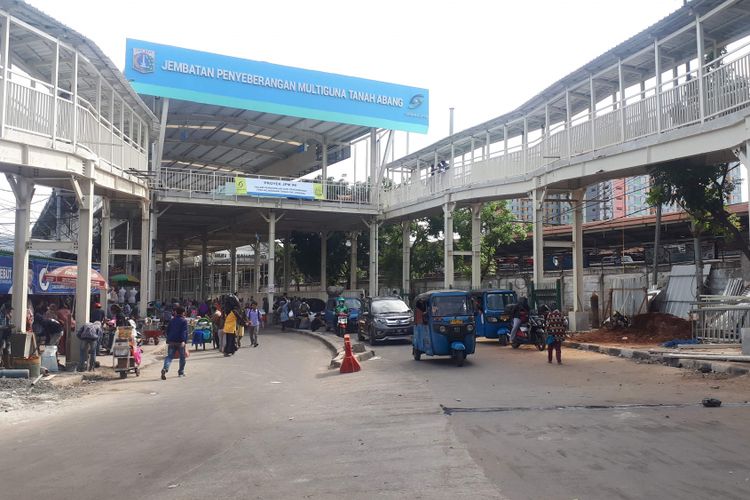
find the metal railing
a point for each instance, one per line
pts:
(720, 319)
(38, 108)
(222, 186)
(674, 104)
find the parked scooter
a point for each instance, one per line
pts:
(617, 320)
(531, 332)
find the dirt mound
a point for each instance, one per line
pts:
(650, 328)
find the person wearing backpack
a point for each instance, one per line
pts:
(89, 335)
(520, 315)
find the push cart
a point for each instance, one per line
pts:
(126, 354)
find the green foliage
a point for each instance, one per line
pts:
(702, 192)
(306, 256)
(497, 226)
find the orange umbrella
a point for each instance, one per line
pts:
(68, 275)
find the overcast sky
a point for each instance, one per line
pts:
(483, 58)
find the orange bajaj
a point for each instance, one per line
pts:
(444, 325)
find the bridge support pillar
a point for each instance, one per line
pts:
(353, 262)
(84, 189)
(105, 233)
(145, 284)
(448, 244)
(476, 246)
(233, 268)
(578, 318)
(272, 219)
(373, 273)
(204, 267)
(179, 272)
(538, 235)
(406, 262)
(163, 290)
(153, 226)
(256, 274)
(323, 261)
(23, 189)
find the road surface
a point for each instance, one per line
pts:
(273, 422)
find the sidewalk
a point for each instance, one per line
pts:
(728, 360)
(151, 353)
(335, 344)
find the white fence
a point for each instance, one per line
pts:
(679, 103)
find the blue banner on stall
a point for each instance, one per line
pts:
(191, 75)
(6, 273)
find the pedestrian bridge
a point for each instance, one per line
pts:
(675, 98)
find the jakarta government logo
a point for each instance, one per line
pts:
(144, 60)
(416, 101)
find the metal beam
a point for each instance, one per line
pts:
(232, 120)
(52, 245)
(558, 244)
(224, 144)
(123, 251)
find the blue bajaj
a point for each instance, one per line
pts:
(491, 315)
(444, 325)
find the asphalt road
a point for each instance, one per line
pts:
(272, 422)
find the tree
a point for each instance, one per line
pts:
(498, 227)
(701, 191)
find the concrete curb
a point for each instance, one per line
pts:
(337, 348)
(653, 357)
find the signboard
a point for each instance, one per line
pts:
(272, 188)
(6, 273)
(191, 75)
(40, 286)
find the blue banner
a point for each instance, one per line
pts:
(191, 75)
(6, 273)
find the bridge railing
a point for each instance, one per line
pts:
(673, 104)
(37, 108)
(207, 185)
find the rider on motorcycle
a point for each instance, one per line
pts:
(340, 309)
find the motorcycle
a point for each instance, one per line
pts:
(531, 332)
(617, 320)
(342, 319)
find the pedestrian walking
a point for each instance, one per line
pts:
(555, 334)
(255, 320)
(177, 334)
(89, 334)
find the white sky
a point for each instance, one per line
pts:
(483, 58)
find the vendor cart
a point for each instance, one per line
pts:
(151, 330)
(126, 354)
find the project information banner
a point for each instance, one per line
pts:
(278, 188)
(191, 75)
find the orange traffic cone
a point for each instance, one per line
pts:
(350, 363)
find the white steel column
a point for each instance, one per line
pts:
(525, 142)
(5, 34)
(145, 285)
(179, 271)
(568, 123)
(538, 235)
(324, 161)
(621, 80)
(105, 234)
(323, 260)
(406, 254)
(287, 264)
(592, 117)
(701, 51)
(657, 69)
(374, 188)
(163, 291)
(578, 298)
(204, 267)
(256, 273)
(233, 268)
(373, 275)
(152, 231)
(271, 256)
(476, 246)
(23, 189)
(448, 244)
(84, 189)
(353, 262)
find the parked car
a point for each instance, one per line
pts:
(385, 318)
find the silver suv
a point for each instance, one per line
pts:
(385, 318)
